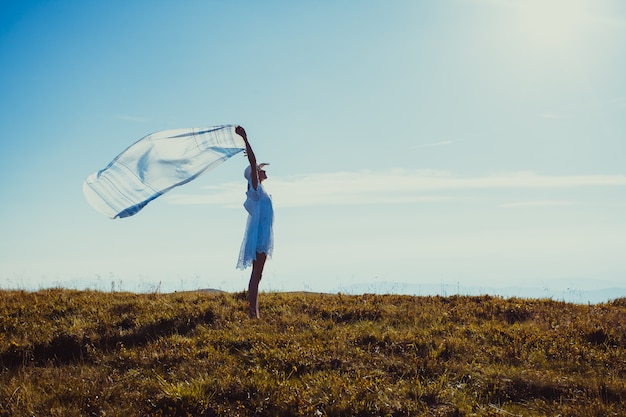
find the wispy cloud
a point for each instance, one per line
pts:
(541, 203)
(577, 110)
(434, 144)
(588, 17)
(617, 101)
(395, 186)
(551, 116)
(610, 21)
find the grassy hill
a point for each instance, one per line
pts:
(71, 353)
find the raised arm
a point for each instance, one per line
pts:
(254, 174)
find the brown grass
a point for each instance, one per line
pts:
(70, 353)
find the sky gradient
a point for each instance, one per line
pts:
(469, 143)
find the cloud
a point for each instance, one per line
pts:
(617, 101)
(434, 144)
(610, 21)
(551, 116)
(541, 203)
(394, 186)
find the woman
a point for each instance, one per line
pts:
(258, 240)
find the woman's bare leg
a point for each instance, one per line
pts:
(253, 286)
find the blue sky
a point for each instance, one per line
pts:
(475, 143)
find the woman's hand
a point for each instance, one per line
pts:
(241, 132)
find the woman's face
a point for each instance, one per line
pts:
(262, 175)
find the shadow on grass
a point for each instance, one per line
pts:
(67, 348)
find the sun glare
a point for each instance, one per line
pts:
(552, 23)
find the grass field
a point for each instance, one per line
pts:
(85, 353)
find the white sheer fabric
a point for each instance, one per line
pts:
(259, 234)
(157, 163)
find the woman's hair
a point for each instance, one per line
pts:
(248, 171)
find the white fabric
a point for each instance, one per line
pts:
(259, 234)
(157, 163)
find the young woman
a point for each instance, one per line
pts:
(258, 240)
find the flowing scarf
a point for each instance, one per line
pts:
(157, 163)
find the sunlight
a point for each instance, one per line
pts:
(552, 23)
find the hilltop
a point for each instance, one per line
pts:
(87, 353)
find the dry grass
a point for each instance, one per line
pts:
(70, 353)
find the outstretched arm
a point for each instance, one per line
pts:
(254, 178)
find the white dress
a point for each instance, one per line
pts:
(259, 234)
